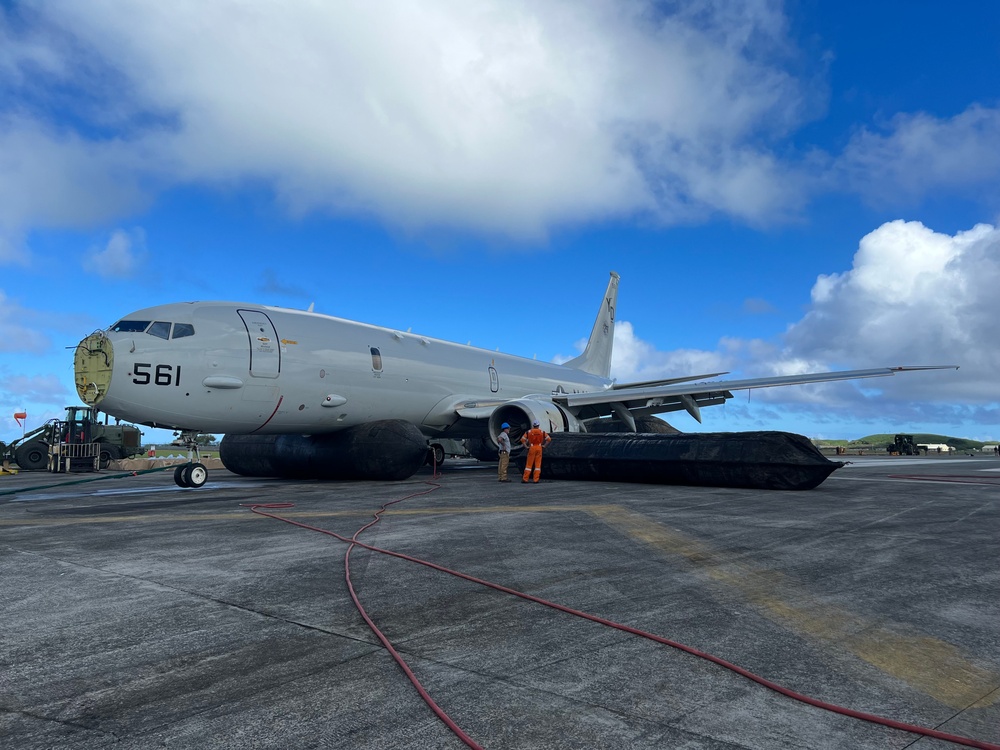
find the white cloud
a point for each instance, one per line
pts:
(509, 118)
(21, 389)
(121, 257)
(12, 250)
(635, 360)
(56, 178)
(918, 153)
(19, 328)
(501, 117)
(913, 297)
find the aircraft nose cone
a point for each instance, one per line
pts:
(93, 363)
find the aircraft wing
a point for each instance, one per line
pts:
(644, 398)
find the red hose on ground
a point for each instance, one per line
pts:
(353, 542)
(386, 643)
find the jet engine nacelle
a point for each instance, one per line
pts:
(521, 413)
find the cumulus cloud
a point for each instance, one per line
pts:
(913, 297)
(635, 360)
(21, 389)
(507, 117)
(916, 153)
(121, 257)
(19, 330)
(54, 177)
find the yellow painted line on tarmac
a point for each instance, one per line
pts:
(936, 668)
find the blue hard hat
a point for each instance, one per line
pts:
(504, 426)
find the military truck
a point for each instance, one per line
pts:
(903, 445)
(81, 425)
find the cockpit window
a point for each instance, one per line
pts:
(130, 326)
(183, 329)
(160, 329)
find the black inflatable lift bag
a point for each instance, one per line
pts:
(389, 449)
(754, 460)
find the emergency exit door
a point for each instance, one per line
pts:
(265, 351)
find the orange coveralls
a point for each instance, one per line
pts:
(534, 438)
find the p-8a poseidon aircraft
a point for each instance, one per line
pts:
(308, 395)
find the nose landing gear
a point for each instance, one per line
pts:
(192, 474)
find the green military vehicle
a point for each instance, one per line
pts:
(81, 425)
(903, 445)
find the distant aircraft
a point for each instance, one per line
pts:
(298, 393)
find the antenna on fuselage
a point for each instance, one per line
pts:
(311, 306)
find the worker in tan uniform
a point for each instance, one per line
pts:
(503, 441)
(535, 439)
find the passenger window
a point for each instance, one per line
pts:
(183, 329)
(376, 359)
(130, 326)
(160, 329)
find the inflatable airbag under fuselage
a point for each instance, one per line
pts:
(754, 460)
(389, 449)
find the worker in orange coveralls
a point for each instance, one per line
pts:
(534, 439)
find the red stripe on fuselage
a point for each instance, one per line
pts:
(280, 399)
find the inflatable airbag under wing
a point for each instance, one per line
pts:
(388, 449)
(754, 460)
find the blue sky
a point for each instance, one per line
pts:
(783, 187)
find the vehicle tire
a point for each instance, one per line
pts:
(108, 454)
(195, 475)
(32, 456)
(435, 455)
(179, 475)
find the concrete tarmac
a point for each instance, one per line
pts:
(136, 614)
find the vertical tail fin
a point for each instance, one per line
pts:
(596, 358)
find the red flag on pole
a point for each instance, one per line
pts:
(19, 416)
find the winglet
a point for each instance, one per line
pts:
(596, 358)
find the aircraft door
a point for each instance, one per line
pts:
(265, 353)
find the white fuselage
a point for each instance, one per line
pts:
(258, 369)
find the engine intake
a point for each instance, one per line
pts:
(521, 413)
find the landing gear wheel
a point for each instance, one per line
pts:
(435, 455)
(179, 476)
(195, 475)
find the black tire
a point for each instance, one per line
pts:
(108, 454)
(435, 455)
(195, 475)
(179, 475)
(32, 456)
